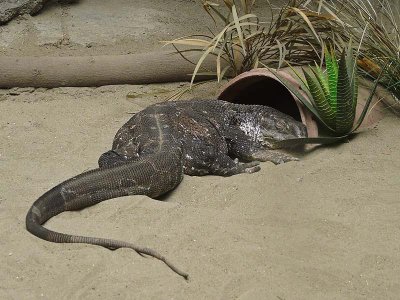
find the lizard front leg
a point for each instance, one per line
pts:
(226, 166)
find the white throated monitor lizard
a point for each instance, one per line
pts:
(159, 144)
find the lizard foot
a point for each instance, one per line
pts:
(250, 167)
(273, 156)
(237, 168)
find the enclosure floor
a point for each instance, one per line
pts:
(326, 227)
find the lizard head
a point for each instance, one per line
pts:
(281, 127)
(277, 126)
(271, 124)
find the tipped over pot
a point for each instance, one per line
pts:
(260, 86)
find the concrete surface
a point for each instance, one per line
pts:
(102, 27)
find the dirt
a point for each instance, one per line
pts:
(326, 227)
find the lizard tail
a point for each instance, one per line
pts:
(144, 177)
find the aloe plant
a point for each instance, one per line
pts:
(333, 95)
(334, 92)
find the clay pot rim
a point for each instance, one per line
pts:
(259, 74)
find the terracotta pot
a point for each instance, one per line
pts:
(260, 86)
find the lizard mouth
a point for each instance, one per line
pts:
(268, 135)
(268, 140)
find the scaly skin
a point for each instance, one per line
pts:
(153, 150)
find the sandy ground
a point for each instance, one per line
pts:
(326, 227)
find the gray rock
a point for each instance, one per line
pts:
(12, 8)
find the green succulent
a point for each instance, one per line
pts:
(334, 92)
(333, 96)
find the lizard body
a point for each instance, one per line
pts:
(159, 144)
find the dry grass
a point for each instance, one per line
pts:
(296, 33)
(380, 33)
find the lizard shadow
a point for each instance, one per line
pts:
(166, 196)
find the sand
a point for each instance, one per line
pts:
(326, 227)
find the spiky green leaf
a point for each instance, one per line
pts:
(345, 112)
(355, 91)
(332, 70)
(294, 90)
(352, 72)
(320, 101)
(323, 81)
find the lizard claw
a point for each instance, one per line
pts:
(273, 156)
(251, 167)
